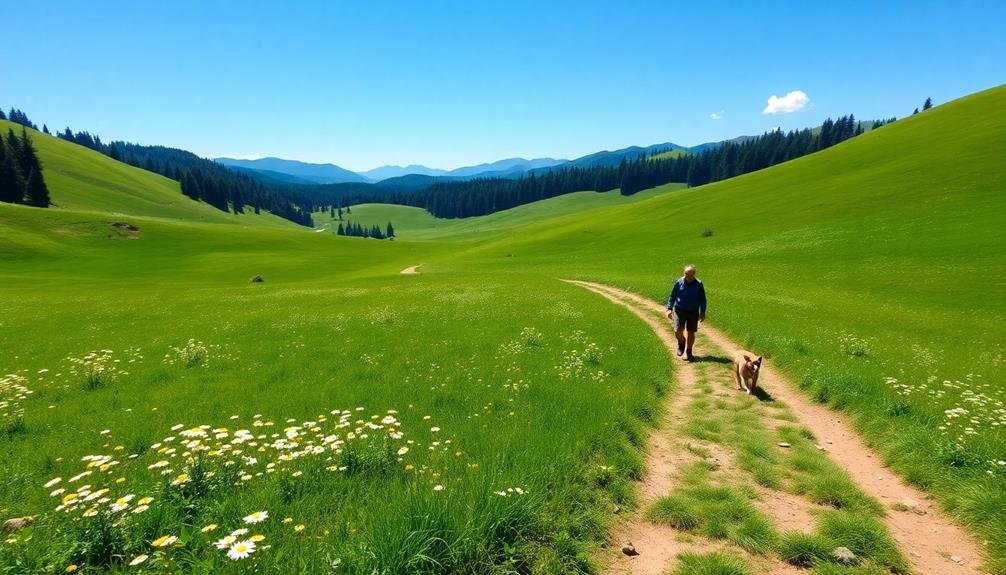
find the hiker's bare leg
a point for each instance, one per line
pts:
(691, 341)
(680, 334)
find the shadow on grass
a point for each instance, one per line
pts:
(712, 359)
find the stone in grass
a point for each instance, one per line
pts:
(629, 549)
(257, 279)
(784, 444)
(712, 463)
(125, 226)
(16, 524)
(845, 556)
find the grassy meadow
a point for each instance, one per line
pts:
(522, 392)
(481, 416)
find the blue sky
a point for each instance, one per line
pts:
(446, 84)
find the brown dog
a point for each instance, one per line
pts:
(746, 370)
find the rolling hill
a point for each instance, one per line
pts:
(81, 179)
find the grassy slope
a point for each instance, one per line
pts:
(417, 224)
(880, 258)
(81, 179)
(669, 154)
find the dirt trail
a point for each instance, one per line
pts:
(411, 270)
(928, 538)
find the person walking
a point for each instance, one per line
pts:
(687, 307)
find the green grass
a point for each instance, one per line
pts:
(803, 549)
(865, 537)
(716, 511)
(867, 272)
(711, 564)
(514, 411)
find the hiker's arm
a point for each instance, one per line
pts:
(701, 303)
(670, 300)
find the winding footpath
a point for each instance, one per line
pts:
(930, 541)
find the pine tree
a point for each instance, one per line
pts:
(11, 182)
(113, 152)
(915, 112)
(45, 130)
(35, 189)
(2, 115)
(340, 231)
(928, 104)
(36, 192)
(390, 232)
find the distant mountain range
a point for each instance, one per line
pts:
(274, 170)
(314, 173)
(278, 170)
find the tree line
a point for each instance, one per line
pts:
(361, 231)
(200, 179)
(21, 180)
(19, 117)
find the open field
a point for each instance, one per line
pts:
(870, 274)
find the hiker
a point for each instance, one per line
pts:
(687, 305)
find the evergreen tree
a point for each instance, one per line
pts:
(28, 161)
(36, 192)
(390, 232)
(340, 231)
(113, 152)
(928, 104)
(45, 130)
(2, 115)
(11, 182)
(915, 112)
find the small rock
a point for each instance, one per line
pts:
(820, 447)
(712, 462)
(845, 556)
(957, 559)
(784, 444)
(257, 279)
(629, 549)
(913, 506)
(16, 524)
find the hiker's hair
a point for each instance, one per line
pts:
(689, 267)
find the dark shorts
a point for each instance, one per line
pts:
(686, 320)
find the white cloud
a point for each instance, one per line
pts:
(792, 102)
(716, 115)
